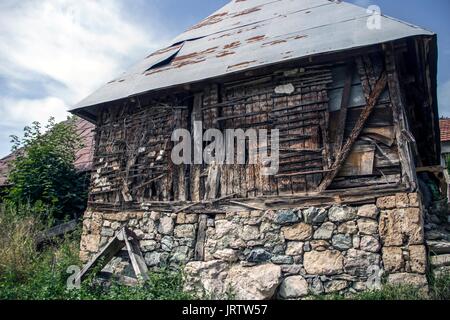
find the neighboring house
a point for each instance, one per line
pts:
(83, 162)
(444, 125)
(356, 111)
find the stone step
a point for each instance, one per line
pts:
(442, 260)
(439, 247)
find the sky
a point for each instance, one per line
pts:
(53, 53)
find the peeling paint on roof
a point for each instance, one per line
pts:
(246, 34)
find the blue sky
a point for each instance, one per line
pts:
(53, 53)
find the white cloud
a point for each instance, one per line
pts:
(77, 45)
(17, 112)
(444, 99)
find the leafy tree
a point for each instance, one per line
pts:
(43, 174)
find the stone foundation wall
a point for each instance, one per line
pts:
(289, 253)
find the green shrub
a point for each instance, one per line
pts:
(43, 174)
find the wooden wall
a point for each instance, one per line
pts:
(132, 159)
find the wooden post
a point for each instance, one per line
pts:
(400, 123)
(346, 149)
(344, 106)
(199, 253)
(197, 149)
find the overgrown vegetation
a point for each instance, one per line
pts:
(43, 175)
(46, 188)
(27, 274)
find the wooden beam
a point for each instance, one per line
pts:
(137, 260)
(197, 149)
(344, 106)
(400, 122)
(123, 238)
(199, 253)
(103, 256)
(359, 126)
(56, 231)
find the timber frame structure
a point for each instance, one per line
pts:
(357, 114)
(350, 155)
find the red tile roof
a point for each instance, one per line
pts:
(444, 125)
(84, 156)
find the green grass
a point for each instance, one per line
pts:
(27, 274)
(46, 279)
(439, 290)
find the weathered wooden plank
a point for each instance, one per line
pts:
(57, 231)
(197, 149)
(360, 162)
(405, 154)
(136, 258)
(344, 106)
(343, 154)
(103, 256)
(199, 252)
(213, 181)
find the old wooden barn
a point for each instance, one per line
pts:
(353, 95)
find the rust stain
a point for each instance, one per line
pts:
(275, 42)
(187, 62)
(216, 18)
(300, 37)
(232, 45)
(224, 54)
(222, 36)
(161, 51)
(194, 55)
(242, 64)
(256, 39)
(247, 11)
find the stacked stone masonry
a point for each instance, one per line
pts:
(287, 254)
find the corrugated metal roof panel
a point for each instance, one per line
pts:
(251, 33)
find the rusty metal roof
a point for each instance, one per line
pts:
(246, 34)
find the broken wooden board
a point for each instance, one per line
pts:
(199, 253)
(360, 162)
(57, 231)
(346, 149)
(123, 238)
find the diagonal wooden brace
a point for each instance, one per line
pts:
(347, 148)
